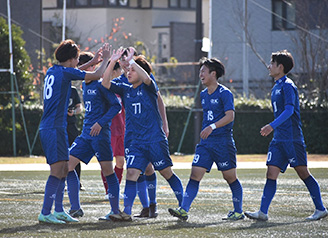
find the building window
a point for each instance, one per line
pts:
(283, 16)
(182, 4)
(97, 2)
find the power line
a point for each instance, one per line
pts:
(29, 29)
(290, 22)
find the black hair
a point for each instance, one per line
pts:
(285, 58)
(85, 57)
(213, 64)
(67, 50)
(143, 63)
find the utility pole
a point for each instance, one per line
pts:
(198, 54)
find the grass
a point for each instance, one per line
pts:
(21, 197)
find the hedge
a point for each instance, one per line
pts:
(246, 131)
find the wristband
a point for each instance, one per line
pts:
(213, 126)
(131, 61)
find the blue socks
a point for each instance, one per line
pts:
(190, 194)
(60, 196)
(142, 191)
(49, 194)
(151, 181)
(130, 193)
(314, 189)
(268, 194)
(237, 196)
(177, 188)
(113, 192)
(73, 190)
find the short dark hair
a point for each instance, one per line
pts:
(125, 52)
(85, 57)
(213, 64)
(143, 63)
(67, 50)
(285, 58)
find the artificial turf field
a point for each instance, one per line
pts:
(21, 197)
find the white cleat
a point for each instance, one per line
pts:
(317, 215)
(257, 215)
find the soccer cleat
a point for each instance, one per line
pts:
(153, 210)
(106, 218)
(144, 213)
(179, 213)
(317, 215)
(64, 216)
(257, 216)
(234, 216)
(82, 188)
(49, 219)
(122, 216)
(76, 213)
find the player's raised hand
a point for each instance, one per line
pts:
(130, 54)
(106, 51)
(117, 54)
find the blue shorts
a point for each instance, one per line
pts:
(282, 153)
(140, 155)
(85, 147)
(222, 152)
(55, 144)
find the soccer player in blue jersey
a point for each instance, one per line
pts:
(216, 144)
(287, 145)
(147, 182)
(100, 108)
(53, 134)
(148, 143)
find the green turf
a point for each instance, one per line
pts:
(21, 197)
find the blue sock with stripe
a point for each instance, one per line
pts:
(113, 192)
(314, 189)
(190, 194)
(49, 194)
(268, 194)
(130, 194)
(237, 196)
(73, 190)
(60, 196)
(177, 188)
(151, 181)
(142, 190)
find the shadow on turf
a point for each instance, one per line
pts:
(265, 224)
(185, 224)
(86, 226)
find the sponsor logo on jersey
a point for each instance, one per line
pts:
(92, 91)
(278, 91)
(215, 101)
(203, 101)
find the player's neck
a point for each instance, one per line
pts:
(212, 87)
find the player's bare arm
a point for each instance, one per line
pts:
(116, 55)
(140, 71)
(229, 117)
(97, 74)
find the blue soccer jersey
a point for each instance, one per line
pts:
(285, 93)
(214, 107)
(100, 106)
(128, 130)
(141, 109)
(57, 89)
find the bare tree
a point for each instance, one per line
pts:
(311, 46)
